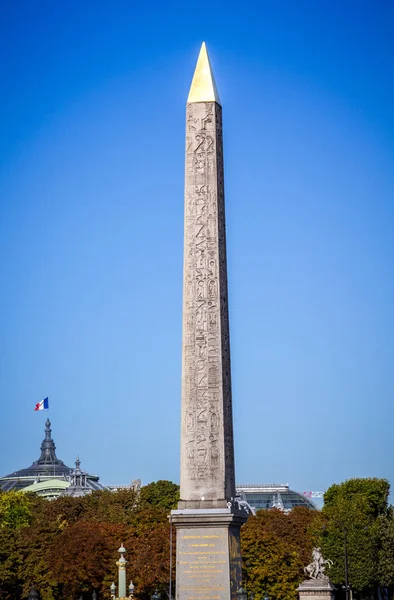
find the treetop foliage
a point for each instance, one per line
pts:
(357, 514)
(67, 547)
(15, 510)
(275, 548)
(162, 493)
(372, 492)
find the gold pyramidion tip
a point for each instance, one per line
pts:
(203, 87)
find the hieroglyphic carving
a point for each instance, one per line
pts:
(207, 468)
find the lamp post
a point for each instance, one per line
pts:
(242, 594)
(347, 589)
(113, 590)
(33, 595)
(121, 564)
(341, 526)
(155, 596)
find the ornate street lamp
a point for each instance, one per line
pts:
(94, 595)
(121, 564)
(266, 597)
(33, 595)
(113, 590)
(155, 596)
(242, 594)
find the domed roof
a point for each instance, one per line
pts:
(273, 496)
(49, 488)
(48, 466)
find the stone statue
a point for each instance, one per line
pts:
(315, 570)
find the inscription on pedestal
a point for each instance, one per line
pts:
(203, 563)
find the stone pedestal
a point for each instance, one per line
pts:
(316, 589)
(208, 553)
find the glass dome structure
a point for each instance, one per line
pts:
(271, 495)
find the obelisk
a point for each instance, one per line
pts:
(208, 519)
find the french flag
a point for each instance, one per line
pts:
(42, 405)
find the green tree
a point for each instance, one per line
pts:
(162, 493)
(374, 493)
(9, 581)
(14, 510)
(110, 507)
(353, 510)
(386, 550)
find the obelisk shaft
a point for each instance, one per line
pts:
(208, 518)
(207, 454)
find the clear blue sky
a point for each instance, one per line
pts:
(91, 232)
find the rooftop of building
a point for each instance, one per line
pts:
(47, 472)
(271, 495)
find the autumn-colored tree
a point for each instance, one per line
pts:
(33, 561)
(83, 557)
(148, 542)
(68, 547)
(9, 582)
(275, 548)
